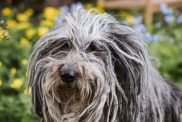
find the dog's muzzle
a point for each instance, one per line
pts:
(67, 75)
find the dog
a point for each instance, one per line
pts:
(90, 68)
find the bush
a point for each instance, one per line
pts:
(18, 34)
(168, 51)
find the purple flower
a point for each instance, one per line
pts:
(125, 22)
(137, 20)
(157, 38)
(140, 28)
(152, 38)
(169, 18)
(165, 9)
(158, 25)
(65, 9)
(76, 5)
(179, 19)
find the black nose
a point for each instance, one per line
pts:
(67, 75)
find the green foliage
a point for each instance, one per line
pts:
(16, 108)
(169, 52)
(15, 105)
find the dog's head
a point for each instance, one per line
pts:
(86, 68)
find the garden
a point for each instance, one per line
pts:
(22, 24)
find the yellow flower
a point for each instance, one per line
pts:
(51, 13)
(16, 84)
(22, 17)
(30, 33)
(24, 43)
(129, 18)
(1, 82)
(28, 91)
(1, 64)
(23, 25)
(7, 12)
(100, 9)
(12, 24)
(100, 4)
(13, 71)
(123, 14)
(88, 6)
(47, 23)
(42, 31)
(24, 62)
(3, 33)
(29, 12)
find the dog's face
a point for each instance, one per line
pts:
(74, 73)
(82, 69)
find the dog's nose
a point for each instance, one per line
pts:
(68, 75)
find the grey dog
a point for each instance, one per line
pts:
(92, 69)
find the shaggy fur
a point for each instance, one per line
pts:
(115, 80)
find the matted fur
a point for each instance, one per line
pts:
(116, 81)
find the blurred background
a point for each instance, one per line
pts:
(23, 22)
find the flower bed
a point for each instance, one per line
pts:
(19, 31)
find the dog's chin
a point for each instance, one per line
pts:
(71, 100)
(69, 94)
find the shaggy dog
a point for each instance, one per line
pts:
(92, 69)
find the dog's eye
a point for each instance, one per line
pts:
(95, 48)
(62, 47)
(65, 46)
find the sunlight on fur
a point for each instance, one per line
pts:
(92, 69)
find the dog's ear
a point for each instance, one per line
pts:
(36, 76)
(34, 80)
(129, 58)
